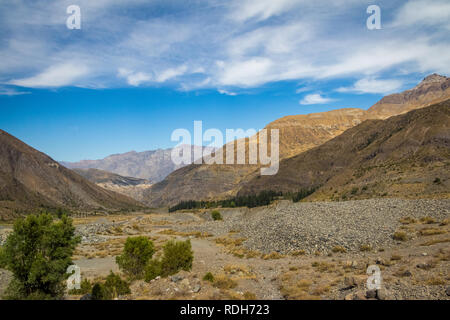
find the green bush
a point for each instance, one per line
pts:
(136, 254)
(208, 277)
(38, 253)
(2, 258)
(216, 215)
(177, 256)
(85, 287)
(98, 292)
(153, 270)
(113, 287)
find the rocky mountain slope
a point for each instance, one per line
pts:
(30, 180)
(132, 187)
(298, 133)
(152, 165)
(407, 155)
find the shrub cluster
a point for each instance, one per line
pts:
(215, 215)
(38, 253)
(136, 254)
(262, 199)
(113, 287)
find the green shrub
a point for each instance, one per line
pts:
(2, 258)
(85, 287)
(98, 292)
(177, 256)
(113, 287)
(208, 277)
(216, 215)
(38, 253)
(136, 254)
(153, 270)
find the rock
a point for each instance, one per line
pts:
(359, 296)
(371, 294)
(406, 273)
(176, 278)
(196, 288)
(424, 254)
(447, 291)
(349, 296)
(185, 283)
(424, 266)
(87, 296)
(349, 283)
(382, 294)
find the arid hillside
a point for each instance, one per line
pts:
(30, 180)
(297, 133)
(406, 155)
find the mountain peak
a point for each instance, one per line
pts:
(434, 78)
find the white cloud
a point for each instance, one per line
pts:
(426, 12)
(226, 92)
(368, 85)
(55, 76)
(11, 92)
(134, 78)
(314, 98)
(171, 73)
(261, 9)
(246, 73)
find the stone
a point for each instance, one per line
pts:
(424, 266)
(87, 296)
(185, 283)
(447, 291)
(371, 294)
(349, 296)
(176, 278)
(382, 294)
(196, 288)
(359, 296)
(349, 283)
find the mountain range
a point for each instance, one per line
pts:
(298, 133)
(31, 180)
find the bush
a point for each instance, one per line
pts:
(216, 215)
(136, 254)
(178, 256)
(85, 287)
(208, 277)
(38, 253)
(2, 258)
(400, 236)
(113, 287)
(153, 270)
(98, 292)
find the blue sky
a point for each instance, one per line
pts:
(137, 70)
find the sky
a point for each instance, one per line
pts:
(137, 70)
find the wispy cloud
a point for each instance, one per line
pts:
(368, 85)
(56, 76)
(235, 44)
(11, 92)
(314, 98)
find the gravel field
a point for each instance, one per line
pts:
(312, 226)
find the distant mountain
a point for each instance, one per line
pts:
(132, 187)
(152, 165)
(405, 156)
(298, 133)
(30, 180)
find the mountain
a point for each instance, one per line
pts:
(406, 155)
(152, 165)
(29, 180)
(132, 187)
(298, 133)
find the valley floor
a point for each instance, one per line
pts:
(317, 250)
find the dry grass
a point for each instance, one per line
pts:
(365, 247)
(221, 281)
(339, 249)
(323, 266)
(431, 231)
(427, 220)
(396, 257)
(272, 255)
(407, 220)
(297, 253)
(195, 234)
(400, 236)
(434, 281)
(435, 241)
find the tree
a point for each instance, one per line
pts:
(178, 256)
(136, 254)
(38, 253)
